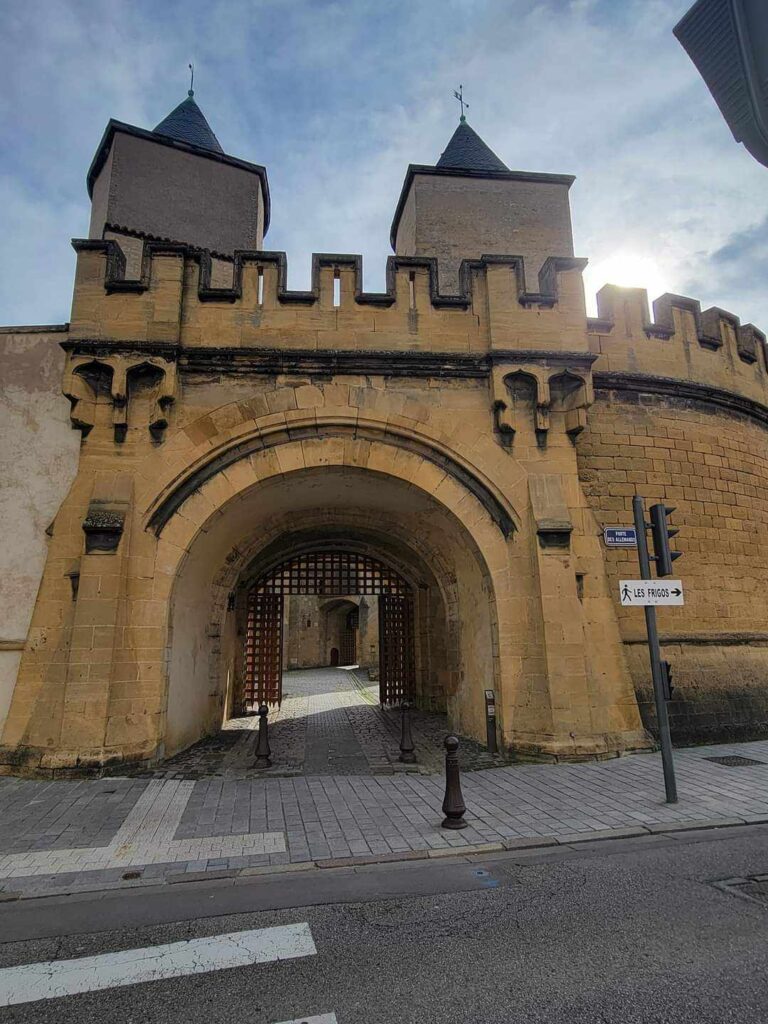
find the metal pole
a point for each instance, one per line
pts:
(263, 752)
(490, 722)
(453, 804)
(407, 755)
(662, 717)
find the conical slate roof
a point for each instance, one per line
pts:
(467, 152)
(187, 124)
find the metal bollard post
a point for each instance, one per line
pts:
(262, 745)
(453, 804)
(407, 755)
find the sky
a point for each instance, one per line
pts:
(337, 98)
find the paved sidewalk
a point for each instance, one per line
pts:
(69, 836)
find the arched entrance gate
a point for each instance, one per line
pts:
(328, 574)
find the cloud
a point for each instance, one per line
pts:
(738, 269)
(337, 98)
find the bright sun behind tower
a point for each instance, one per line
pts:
(628, 269)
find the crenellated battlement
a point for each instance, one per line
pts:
(115, 279)
(682, 342)
(186, 297)
(192, 300)
(714, 327)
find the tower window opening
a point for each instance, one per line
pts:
(260, 287)
(336, 289)
(412, 289)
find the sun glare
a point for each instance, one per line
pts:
(628, 269)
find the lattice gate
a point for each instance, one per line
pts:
(264, 649)
(396, 668)
(330, 574)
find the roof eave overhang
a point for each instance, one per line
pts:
(460, 172)
(113, 127)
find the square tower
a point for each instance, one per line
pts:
(470, 204)
(176, 183)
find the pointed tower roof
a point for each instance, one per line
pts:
(187, 123)
(467, 152)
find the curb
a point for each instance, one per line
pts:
(574, 839)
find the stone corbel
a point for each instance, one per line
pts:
(164, 398)
(502, 413)
(107, 511)
(543, 403)
(575, 395)
(119, 398)
(72, 573)
(503, 410)
(550, 510)
(82, 413)
(83, 398)
(103, 528)
(575, 421)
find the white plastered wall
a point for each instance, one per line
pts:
(39, 453)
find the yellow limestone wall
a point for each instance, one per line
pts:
(452, 437)
(706, 455)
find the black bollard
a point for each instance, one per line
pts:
(453, 804)
(407, 755)
(262, 744)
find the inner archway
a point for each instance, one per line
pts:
(329, 573)
(341, 628)
(343, 511)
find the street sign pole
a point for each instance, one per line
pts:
(654, 652)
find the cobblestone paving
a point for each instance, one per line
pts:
(329, 723)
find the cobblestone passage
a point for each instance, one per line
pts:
(329, 723)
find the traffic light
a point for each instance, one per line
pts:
(727, 40)
(661, 532)
(666, 680)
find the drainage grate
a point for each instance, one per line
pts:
(754, 888)
(734, 761)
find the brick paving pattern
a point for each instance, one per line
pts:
(73, 835)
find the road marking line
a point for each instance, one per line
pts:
(324, 1018)
(49, 980)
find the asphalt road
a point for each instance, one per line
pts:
(626, 931)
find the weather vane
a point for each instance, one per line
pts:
(460, 97)
(192, 80)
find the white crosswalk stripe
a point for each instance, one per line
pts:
(324, 1018)
(145, 837)
(51, 979)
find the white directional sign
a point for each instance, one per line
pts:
(645, 592)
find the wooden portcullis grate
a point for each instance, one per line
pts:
(396, 649)
(332, 574)
(264, 649)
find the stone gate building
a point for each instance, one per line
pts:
(202, 463)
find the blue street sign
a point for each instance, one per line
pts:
(620, 537)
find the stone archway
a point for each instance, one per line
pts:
(376, 515)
